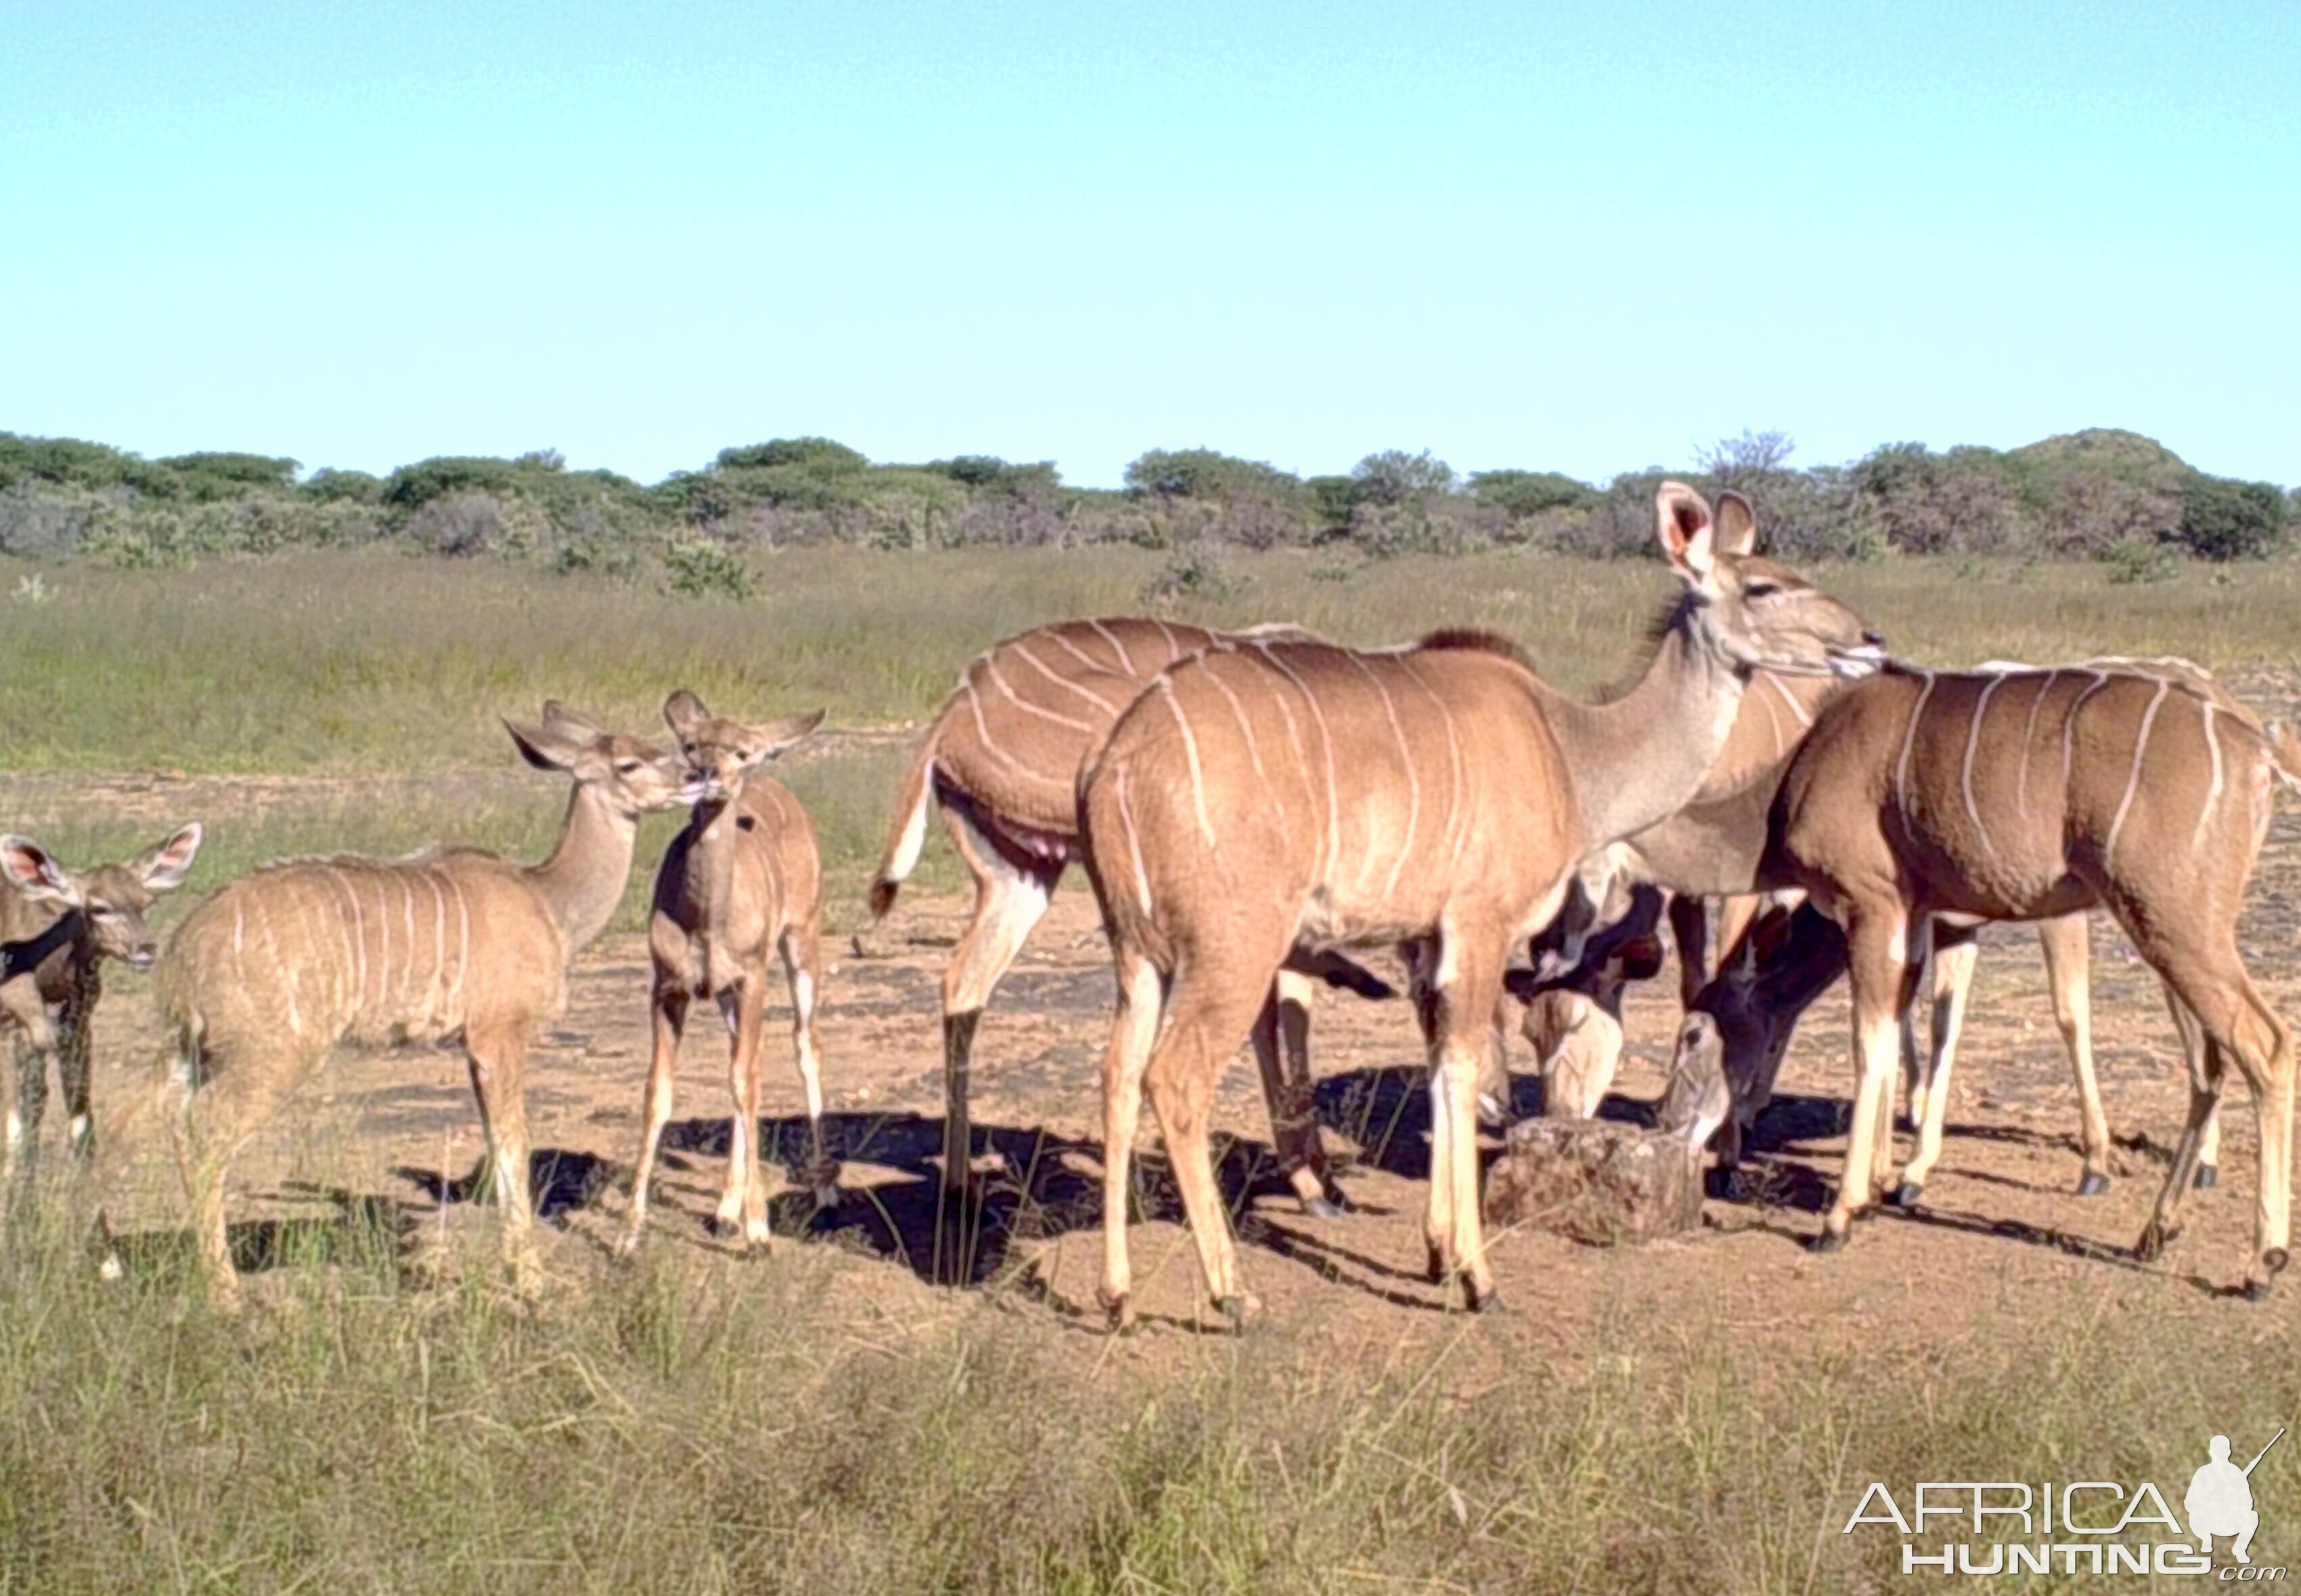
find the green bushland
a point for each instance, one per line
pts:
(2091, 494)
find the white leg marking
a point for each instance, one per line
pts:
(2133, 776)
(1965, 778)
(991, 669)
(1909, 738)
(1166, 690)
(15, 1129)
(1083, 690)
(1117, 647)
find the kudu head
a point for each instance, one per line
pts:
(1748, 611)
(111, 899)
(633, 776)
(717, 753)
(1731, 1044)
(1574, 1020)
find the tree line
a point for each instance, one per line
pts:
(2103, 494)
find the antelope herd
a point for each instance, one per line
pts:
(1251, 809)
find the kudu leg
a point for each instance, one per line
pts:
(2241, 1028)
(1689, 930)
(1010, 898)
(1281, 1052)
(72, 1079)
(1877, 947)
(1210, 1006)
(802, 951)
(1952, 959)
(669, 1022)
(1458, 1018)
(1134, 1026)
(2067, 943)
(743, 1203)
(498, 1065)
(208, 1125)
(21, 1158)
(2193, 1060)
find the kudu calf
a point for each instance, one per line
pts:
(743, 883)
(272, 971)
(1286, 793)
(63, 924)
(2031, 793)
(1002, 760)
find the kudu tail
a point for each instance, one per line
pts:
(906, 830)
(2285, 756)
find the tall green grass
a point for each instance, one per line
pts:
(362, 661)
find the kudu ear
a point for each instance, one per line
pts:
(556, 714)
(554, 745)
(163, 869)
(1737, 524)
(1683, 524)
(775, 736)
(684, 714)
(35, 873)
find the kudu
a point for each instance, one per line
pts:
(1574, 1020)
(2031, 793)
(743, 883)
(1001, 760)
(63, 924)
(1286, 793)
(265, 976)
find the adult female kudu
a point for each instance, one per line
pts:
(1438, 796)
(1002, 761)
(741, 884)
(2023, 795)
(274, 969)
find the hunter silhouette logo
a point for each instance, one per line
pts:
(2219, 1502)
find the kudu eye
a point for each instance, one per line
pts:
(624, 767)
(1762, 588)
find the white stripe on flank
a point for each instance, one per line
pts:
(1133, 846)
(1413, 780)
(1111, 638)
(975, 703)
(455, 1016)
(383, 940)
(2022, 777)
(1965, 777)
(2133, 776)
(1083, 690)
(2212, 793)
(355, 966)
(238, 925)
(1245, 729)
(1326, 747)
(991, 669)
(407, 926)
(1166, 690)
(1909, 738)
(1455, 773)
(1294, 741)
(1790, 698)
(436, 1003)
(2101, 679)
(1175, 651)
(286, 973)
(1075, 652)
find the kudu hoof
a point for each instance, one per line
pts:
(1322, 1207)
(1830, 1240)
(2258, 1288)
(2206, 1178)
(2155, 1239)
(1238, 1312)
(1907, 1194)
(2094, 1184)
(1434, 1267)
(1118, 1312)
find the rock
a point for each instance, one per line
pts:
(1596, 1181)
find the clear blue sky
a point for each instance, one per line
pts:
(1587, 237)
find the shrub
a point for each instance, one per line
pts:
(1198, 570)
(697, 566)
(2223, 520)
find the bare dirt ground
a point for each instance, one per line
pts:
(1999, 1217)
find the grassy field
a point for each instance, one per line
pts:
(817, 1422)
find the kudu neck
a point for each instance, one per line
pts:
(21, 959)
(582, 881)
(1638, 759)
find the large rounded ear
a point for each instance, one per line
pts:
(684, 713)
(554, 745)
(35, 873)
(163, 869)
(778, 735)
(1683, 526)
(556, 714)
(1737, 524)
